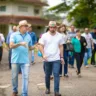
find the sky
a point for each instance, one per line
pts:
(54, 2)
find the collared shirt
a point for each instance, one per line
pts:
(20, 54)
(2, 39)
(71, 35)
(33, 37)
(8, 37)
(89, 39)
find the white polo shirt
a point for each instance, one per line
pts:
(51, 45)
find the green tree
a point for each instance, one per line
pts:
(82, 11)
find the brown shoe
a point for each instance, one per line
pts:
(14, 93)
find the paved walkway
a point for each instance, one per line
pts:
(72, 86)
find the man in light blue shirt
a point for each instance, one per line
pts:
(34, 41)
(14, 29)
(20, 42)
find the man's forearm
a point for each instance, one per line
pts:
(14, 45)
(41, 48)
(61, 51)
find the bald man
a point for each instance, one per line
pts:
(14, 29)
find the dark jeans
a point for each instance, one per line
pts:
(66, 63)
(55, 67)
(93, 56)
(79, 60)
(9, 58)
(1, 53)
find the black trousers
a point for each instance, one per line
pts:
(1, 53)
(93, 56)
(9, 58)
(79, 60)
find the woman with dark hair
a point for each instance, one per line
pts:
(63, 31)
(79, 44)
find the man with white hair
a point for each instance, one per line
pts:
(20, 43)
(52, 52)
(14, 29)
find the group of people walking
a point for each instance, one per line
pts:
(58, 47)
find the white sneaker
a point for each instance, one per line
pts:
(87, 66)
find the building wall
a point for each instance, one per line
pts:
(12, 9)
(8, 9)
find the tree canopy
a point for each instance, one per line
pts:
(82, 11)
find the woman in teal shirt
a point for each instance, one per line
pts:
(79, 44)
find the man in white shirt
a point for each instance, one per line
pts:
(89, 47)
(52, 51)
(2, 39)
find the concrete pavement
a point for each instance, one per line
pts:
(72, 86)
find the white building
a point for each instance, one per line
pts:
(12, 11)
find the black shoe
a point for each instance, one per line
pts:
(57, 94)
(47, 91)
(66, 75)
(92, 63)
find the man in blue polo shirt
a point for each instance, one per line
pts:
(20, 42)
(34, 41)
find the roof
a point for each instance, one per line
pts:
(34, 2)
(10, 19)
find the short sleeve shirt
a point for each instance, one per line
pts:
(51, 45)
(89, 39)
(20, 54)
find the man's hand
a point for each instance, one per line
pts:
(23, 44)
(62, 61)
(92, 47)
(45, 58)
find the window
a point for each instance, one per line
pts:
(2, 8)
(36, 11)
(23, 9)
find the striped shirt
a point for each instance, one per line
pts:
(71, 35)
